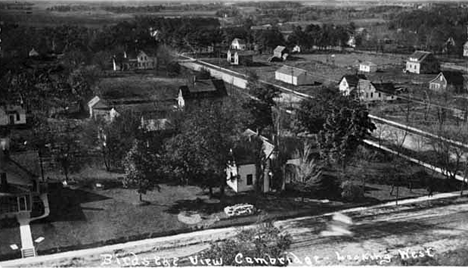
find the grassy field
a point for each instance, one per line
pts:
(143, 86)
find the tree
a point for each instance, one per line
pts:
(344, 130)
(264, 245)
(141, 168)
(200, 152)
(261, 105)
(312, 113)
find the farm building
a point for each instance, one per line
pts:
(207, 89)
(367, 67)
(241, 170)
(293, 76)
(280, 52)
(448, 80)
(349, 82)
(238, 44)
(465, 49)
(12, 115)
(422, 62)
(240, 57)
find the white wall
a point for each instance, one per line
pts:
(344, 87)
(240, 183)
(413, 67)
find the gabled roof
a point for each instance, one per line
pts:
(387, 88)
(12, 108)
(17, 174)
(353, 79)
(243, 154)
(280, 49)
(293, 71)
(239, 41)
(419, 56)
(452, 78)
(204, 89)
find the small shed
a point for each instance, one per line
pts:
(367, 67)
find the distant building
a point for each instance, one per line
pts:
(422, 62)
(199, 90)
(448, 80)
(12, 115)
(238, 44)
(367, 67)
(293, 76)
(260, 27)
(280, 52)
(240, 57)
(131, 61)
(296, 49)
(33, 53)
(465, 49)
(349, 83)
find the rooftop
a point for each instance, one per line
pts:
(419, 55)
(209, 88)
(289, 70)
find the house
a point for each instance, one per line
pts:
(98, 108)
(201, 89)
(349, 83)
(367, 67)
(238, 44)
(422, 62)
(146, 60)
(241, 171)
(124, 62)
(293, 76)
(448, 80)
(33, 53)
(465, 49)
(351, 41)
(12, 115)
(240, 57)
(280, 52)
(296, 49)
(22, 195)
(150, 124)
(367, 91)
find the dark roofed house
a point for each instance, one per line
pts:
(448, 80)
(209, 89)
(422, 62)
(349, 82)
(465, 49)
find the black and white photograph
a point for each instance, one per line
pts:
(184, 133)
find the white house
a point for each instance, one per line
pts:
(12, 115)
(367, 67)
(421, 62)
(241, 171)
(465, 49)
(240, 57)
(349, 83)
(296, 49)
(368, 92)
(293, 76)
(238, 44)
(146, 60)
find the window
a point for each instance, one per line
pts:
(372, 95)
(379, 95)
(250, 179)
(17, 117)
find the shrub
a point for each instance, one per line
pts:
(351, 191)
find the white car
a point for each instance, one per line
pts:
(239, 210)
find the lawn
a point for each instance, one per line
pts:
(140, 86)
(83, 215)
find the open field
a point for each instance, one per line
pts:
(140, 86)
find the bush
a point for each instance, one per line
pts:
(351, 191)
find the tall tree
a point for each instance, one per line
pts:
(142, 167)
(344, 130)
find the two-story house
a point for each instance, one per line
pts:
(238, 44)
(448, 80)
(141, 60)
(365, 90)
(422, 62)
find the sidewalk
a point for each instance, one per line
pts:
(198, 237)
